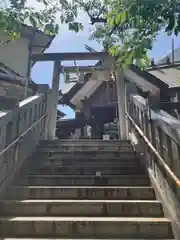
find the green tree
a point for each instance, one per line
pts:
(129, 27)
(17, 13)
(126, 28)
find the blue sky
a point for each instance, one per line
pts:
(67, 41)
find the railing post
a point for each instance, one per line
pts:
(121, 104)
(45, 89)
(53, 102)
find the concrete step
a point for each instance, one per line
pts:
(85, 143)
(110, 164)
(85, 227)
(93, 151)
(87, 149)
(84, 180)
(85, 170)
(86, 192)
(80, 208)
(86, 162)
(89, 155)
(80, 163)
(66, 239)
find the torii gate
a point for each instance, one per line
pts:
(57, 58)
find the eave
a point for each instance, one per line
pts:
(39, 41)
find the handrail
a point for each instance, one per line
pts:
(23, 134)
(160, 159)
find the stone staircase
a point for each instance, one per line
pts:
(86, 190)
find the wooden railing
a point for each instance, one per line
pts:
(20, 132)
(156, 137)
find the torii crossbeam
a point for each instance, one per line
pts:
(73, 56)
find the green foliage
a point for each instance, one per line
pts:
(126, 28)
(132, 26)
(46, 19)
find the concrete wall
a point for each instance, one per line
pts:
(11, 90)
(15, 55)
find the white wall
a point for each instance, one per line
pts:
(15, 55)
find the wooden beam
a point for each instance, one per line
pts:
(164, 66)
(170, 105)
(174, 90)
(85, 69)
(69, 56)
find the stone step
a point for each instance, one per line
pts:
(85, 170)
(85, 227)
(96, 155)
(110, 164)
(91, 162)
(87, 149)
(66, 239)
(84, 142)
(80, 208)
(85, 161)
(85, 164)
(86, 192)
(84, 180)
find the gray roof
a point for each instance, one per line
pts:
(169, 75)
(67, 87)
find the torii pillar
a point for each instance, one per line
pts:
(121, 97)
(53, 101)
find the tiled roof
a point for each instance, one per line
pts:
(67, 87)
(170, 76)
